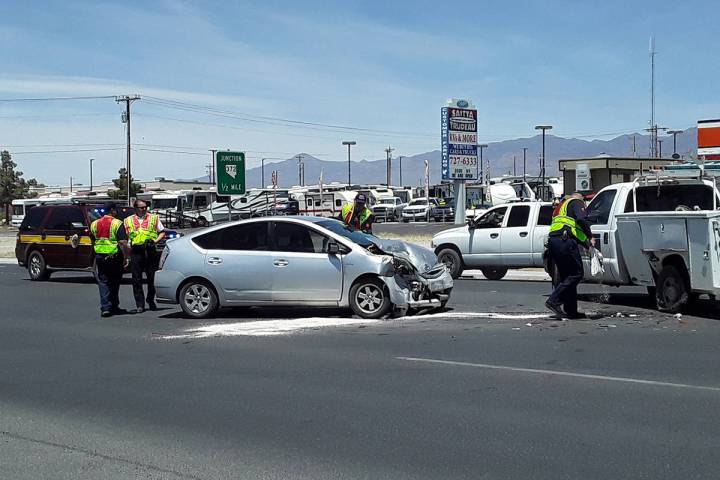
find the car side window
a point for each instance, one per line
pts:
(33, 219)
(63, 218)
(249, 236)
(291, 237)
(519, 216)
(492, 219)
(598, 211)
(545, 215)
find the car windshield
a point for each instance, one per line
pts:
(355, 236)
(386, 201)
(164, 203)
(418, 202)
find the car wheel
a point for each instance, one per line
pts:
(406, 220)
(369, 298)
(37, 268)
(202, 222)
(671, 292)
(452, 259)
(494, 273)
(198, 299)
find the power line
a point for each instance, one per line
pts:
(53, 99)
(69, 151)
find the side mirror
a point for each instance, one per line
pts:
(333, 248)
(78, 225)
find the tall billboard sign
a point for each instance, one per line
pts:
(458, 134)
(709, 139)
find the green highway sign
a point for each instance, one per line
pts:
(230, 168)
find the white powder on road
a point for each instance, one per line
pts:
(264, 328)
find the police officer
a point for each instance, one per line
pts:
(110, 245)
(144, 230)
(570, 229)
(357, 215)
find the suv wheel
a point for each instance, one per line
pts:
(369, 298)
(36, 267)
(494, 273)
(198, 299)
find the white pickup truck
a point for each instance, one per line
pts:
(660, 232)
(504, 237)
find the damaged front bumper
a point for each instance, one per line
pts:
(422, 291)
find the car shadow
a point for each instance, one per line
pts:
(702, 308)
(253, 313)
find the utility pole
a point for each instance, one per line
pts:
(634, 150)
(212, 168)
(349, 144)
(91, 179)
(514, 166)
(401, 184)
(660, 147)
(388, 166)
(301, 170)
(524, 163)
(127, 99)
(486, 174)
(653, 126)
(542, 164)
(71, 180)
(262, 173)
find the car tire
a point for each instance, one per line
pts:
(452, 259)
(37, 268)
(198, 299)
(671, 292)
(202, 222)
(406, 220)
(494, 273)
(369, 298)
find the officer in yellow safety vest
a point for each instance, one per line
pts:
(569, 230)
(357, 215)
(144, 230)
(110, 245)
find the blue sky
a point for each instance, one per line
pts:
(383, 66)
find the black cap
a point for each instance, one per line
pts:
(360, 198)
(109, 206)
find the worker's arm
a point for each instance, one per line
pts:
(123, 244)
(161, 230)
(577, 211)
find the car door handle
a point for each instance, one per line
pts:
(494, 235)
(523, 234)
(280, 263)
(214, 260)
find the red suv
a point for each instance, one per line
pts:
(57, 237)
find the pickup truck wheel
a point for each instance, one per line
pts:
(451, 258)
(494, 273)
(37, 268)
(671, 292)
(202, 222)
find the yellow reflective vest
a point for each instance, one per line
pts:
(361, 222)
(141, 231)
(562, 220)
(105, 232)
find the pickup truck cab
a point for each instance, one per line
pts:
(504, 237)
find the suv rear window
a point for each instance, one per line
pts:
(63, 218)
(33, 218)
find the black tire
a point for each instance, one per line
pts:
(202, 222)
(494, 273)
(672, 292)
(369, 298)
(406, 220)
(198, 299)
(452, 259)
(37, 268)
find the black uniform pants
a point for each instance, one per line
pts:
(109, 276)
(565, 253)
(144, 261)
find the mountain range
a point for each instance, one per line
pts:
(499, 154)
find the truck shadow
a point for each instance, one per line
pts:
(702, 308)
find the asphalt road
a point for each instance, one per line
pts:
(462, 395)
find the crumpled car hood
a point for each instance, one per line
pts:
(423, 259)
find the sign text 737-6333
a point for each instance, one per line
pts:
(230, 168)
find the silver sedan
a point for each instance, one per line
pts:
(299, 261)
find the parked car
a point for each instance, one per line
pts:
(388, 209)
(299, 261)
(444, 211)
(506, 236)
(419, 209)
(57, 237)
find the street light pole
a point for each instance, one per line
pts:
(212, 166)
(524, 163)
(349, 144)
(401, 184)
(388, 166)
(262, 173)
(542, 164)
(674, 133)
(91, 176)
(660, 147)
